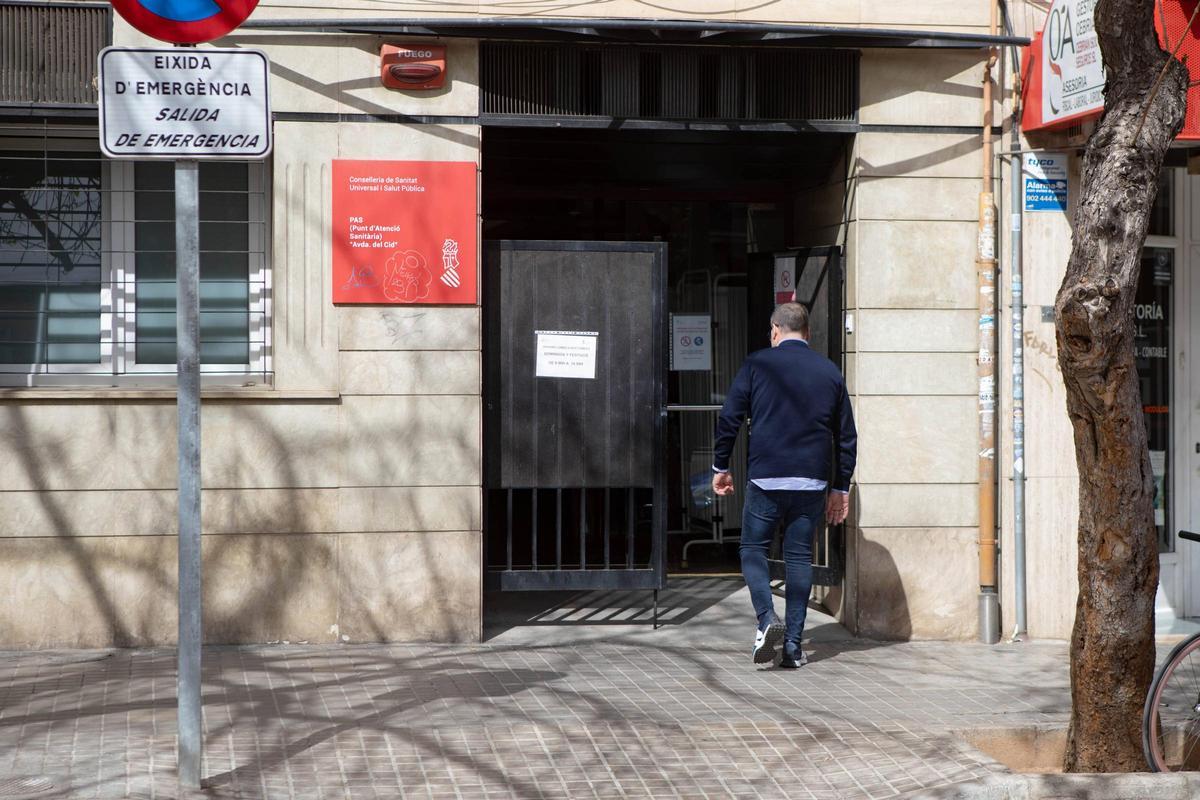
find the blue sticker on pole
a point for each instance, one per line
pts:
(1044, 176)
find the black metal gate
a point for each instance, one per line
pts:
(815, 275)
(574, 420)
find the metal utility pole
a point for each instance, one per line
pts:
(187, 327)
(985, 262)
(1018, 369)
(131, 127)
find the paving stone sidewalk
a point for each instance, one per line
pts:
(578, 700)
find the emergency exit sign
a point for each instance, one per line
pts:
(173, 103)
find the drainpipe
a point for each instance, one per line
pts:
(1018, 361)
(989, 601)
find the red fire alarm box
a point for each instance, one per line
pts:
(413, 66)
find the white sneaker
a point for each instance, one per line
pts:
(766, 639)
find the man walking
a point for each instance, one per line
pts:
(801, 421)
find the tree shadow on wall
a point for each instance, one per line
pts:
(275, 566)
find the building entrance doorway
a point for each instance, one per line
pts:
(729, 208)
(573, 423)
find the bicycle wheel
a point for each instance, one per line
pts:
(1171, 717)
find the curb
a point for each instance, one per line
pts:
(1081, 786)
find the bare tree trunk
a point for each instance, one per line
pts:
(1112, 645)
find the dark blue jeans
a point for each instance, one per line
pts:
(800, 513)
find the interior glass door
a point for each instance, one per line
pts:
(1152, 350)
(710, 336)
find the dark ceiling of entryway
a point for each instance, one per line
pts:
(720, 165)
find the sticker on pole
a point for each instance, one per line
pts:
(185, 21)
(169, 103)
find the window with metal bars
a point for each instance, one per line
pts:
(87, 268)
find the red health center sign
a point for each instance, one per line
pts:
(405, 232)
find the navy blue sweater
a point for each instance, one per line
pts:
(800, 416)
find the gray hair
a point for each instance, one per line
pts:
(791, 317)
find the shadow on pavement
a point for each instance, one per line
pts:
(706, 612)
(682, 601)
(281, 721)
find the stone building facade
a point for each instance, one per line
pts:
(345, 470)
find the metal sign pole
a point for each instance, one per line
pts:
(187, 326)
(131, 81)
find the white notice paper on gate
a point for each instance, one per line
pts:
(566, 354)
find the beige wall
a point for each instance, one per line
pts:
(962, 15)
(356, 517)
(905, 212)
(915, 198)
(914, 370)
(912, 364)
(344, 505)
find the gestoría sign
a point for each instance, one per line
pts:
(404, 232)
(1063, 68)
(1072, 71)
(170, 103)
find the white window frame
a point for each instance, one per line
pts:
(118, 364)
(125, 281)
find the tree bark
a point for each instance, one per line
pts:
(1112, 644)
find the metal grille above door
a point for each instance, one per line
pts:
(573, 453)
(48, 51)
(731, 84)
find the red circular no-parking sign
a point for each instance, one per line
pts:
(185, 21)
